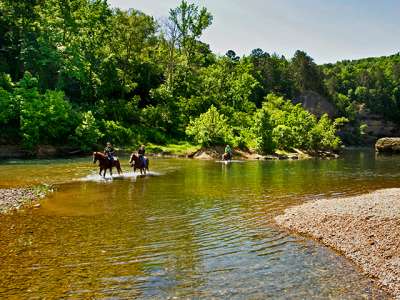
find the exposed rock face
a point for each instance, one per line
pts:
(377, 126)
(388, 145)
(316, 104)
(46, 151)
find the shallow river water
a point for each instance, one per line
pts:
(191, 229)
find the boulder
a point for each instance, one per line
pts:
(209, 153)
(44, 151)
(388, 145)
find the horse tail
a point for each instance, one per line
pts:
(147, 164)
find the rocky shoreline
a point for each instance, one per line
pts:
(205, 153)
(12, 199)
(216, 153)
(365, 229)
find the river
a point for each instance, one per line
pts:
(191, 229)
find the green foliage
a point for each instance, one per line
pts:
(307, 75)
(6, 82)
(210, 128)
(370, 83)
(281, 125)
(263, 127)
(181, 148)
(189, 23)
(44, 118)
(323, 135)
(117, 133)
(87, 133)
(151, 81)
(8, 107)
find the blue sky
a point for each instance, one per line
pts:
(328, 30)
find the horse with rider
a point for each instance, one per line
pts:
(228, 153)
(139, 161)
(107, 160)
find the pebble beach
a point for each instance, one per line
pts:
(365, 229)
(12, 199)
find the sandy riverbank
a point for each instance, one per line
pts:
(365, 228)
(14, 198)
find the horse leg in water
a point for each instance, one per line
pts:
(145, 165)
(118, 165)
(101, 169)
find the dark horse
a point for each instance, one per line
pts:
(137, 163)
(226, 156)
(105, 163)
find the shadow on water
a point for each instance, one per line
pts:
(192, 229)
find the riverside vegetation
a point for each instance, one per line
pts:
(79, 73)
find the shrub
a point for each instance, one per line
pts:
(323, 135)
(262, 129)
(44, 118)
(281, 125)
(8, 107)
(87, 133)
(117, 133)
(210, 128)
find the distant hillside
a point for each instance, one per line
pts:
(367, 91)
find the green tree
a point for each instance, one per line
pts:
(87, 133)
(307, 75)
(189, 22)
(210, 128)
(262, 128)
(44, 118)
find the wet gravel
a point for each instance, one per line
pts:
(14, 198)
(365, 228)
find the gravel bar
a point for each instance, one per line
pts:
(365, 229)
(14, 198)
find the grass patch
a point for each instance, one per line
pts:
(180, 148)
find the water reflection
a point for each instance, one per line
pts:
(200, 229)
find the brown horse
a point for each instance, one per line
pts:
(137, 163)
(226, 156)
(105, 163)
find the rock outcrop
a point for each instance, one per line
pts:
(388, 145)
(316, 104)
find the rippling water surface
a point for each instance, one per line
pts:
(192, 229)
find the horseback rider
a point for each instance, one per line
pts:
(109, 151)
(228, 152)
(141, 152)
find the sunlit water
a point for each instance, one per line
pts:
(191, 229)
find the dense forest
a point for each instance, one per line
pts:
(79, 73)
